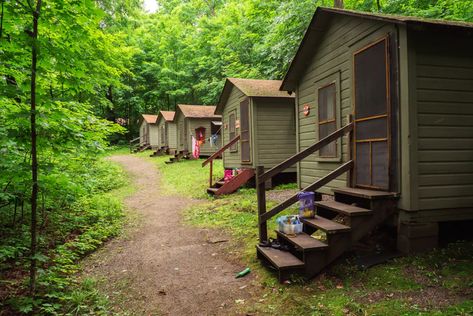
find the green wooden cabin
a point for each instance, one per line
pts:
(263, 116)
(167, 130)
(193, 119)
(148, 130)
(407, 84)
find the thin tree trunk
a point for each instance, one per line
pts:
(338, 4)
(34, 156)
(1, 20)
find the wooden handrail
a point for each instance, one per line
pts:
(306, 152)
(313, 187)
(221, 150)
(135, 139)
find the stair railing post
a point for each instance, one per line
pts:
(211, 167)
(261, 195)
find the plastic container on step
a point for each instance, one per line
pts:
(289, 224)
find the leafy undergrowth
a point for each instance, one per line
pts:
(186, 177)
(85, 225)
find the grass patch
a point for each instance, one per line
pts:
(186, 177)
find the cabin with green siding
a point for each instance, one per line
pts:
(197, 121)
(407, 85)
(263, 116)
(148, 131)
(167, 136)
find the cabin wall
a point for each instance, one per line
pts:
(332, 63)
(193, 123)
(172, 135)
(444, 120)
(231, 159)
(274, 131)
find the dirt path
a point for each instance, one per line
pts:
(164, 267)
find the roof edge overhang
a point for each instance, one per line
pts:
(322, 17)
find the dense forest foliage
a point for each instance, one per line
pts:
(70, 69)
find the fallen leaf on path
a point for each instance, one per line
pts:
(240, 301)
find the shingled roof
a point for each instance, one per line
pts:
(149, 118)
(321, 20)
(198, 111)
(167, 115)
(252, 88)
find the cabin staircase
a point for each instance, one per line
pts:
(142, 148)
(227, 187)
(180, 155)
(163, 150)
(349, 217)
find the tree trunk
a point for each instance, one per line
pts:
(34, 156)
(338, 4)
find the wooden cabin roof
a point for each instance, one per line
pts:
(198, 111)
(321, 19)
(149, 118)
(167, 115)
(251, 88)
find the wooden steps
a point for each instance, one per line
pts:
(303, 241)
(366, 194)
(342, 208)
(221, 187)
(326, 225)
(182, 154)
(142, 148)
(315, 254)
(163, 150)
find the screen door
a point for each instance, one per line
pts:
(245, 130)
(372, 114)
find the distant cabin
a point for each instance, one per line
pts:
(198, 121)
(407, 84)
(167, 136)
(148, 130)
(263, 116)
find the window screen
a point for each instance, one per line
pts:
(232, 131)
(327, 119)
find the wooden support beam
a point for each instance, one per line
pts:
(261, 195)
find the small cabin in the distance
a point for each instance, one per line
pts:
(167, 137)
(264, 117)
(200, 122)
(148, 131)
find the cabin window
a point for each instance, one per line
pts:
(327, 118)
(232, 130)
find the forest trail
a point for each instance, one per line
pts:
(163, 267)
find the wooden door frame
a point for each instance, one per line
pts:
(388, 115)
(249, 161)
